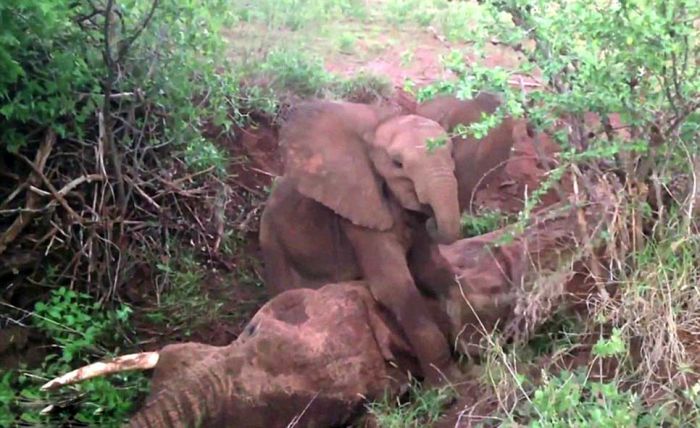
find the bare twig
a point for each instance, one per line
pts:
(78, 181)
(143, 194)
(32, 200)
(61, 200)
(693, 197)
(105, 116)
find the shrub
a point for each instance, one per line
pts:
(103, 105)
(82, 329)
(422, 407)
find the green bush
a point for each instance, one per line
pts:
(571, 399)
(423, 407)
(297, 14)
(296, 72)
(637, 60)
(76, 323)
(131, 84)
(46, 65)
(483, 222)
(82, 329)
(57, 68)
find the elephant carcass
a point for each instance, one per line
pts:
(311, 356)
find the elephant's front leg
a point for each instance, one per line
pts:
(431, 272)
(382, 259)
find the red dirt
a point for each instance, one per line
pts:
(423, 68)
(254, 164)
(425, 64)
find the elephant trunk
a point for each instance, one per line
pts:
(195, 400)
(444, 227)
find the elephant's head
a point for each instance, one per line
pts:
(353, 157)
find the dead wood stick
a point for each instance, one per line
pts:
(692, 201)
(32, 202)
(190, 176)
(142, 193)
(61, 200)
(39, 192)
(78, 181)
(584, 229)
(269, 174)
(22, 187)
(524, 84)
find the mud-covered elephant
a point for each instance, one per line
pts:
(476, 160)
(360, 183)
(311, 356)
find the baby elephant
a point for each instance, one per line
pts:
(360, 182)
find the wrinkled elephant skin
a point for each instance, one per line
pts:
(327, 348)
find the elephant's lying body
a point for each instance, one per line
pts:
(315, 355)
(331, 348)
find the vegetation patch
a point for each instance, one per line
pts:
(420, 407)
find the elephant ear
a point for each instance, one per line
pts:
(327, 159)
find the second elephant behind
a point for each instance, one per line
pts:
(477, 160)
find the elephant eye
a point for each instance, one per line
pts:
(397, 163)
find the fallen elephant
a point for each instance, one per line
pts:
(512, 282)
(310, 356)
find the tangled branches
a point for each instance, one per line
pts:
(107, 181)
(71, 214)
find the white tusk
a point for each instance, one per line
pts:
(140, 361)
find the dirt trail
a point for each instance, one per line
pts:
(415, 56)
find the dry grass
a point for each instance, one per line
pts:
(636, 332)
